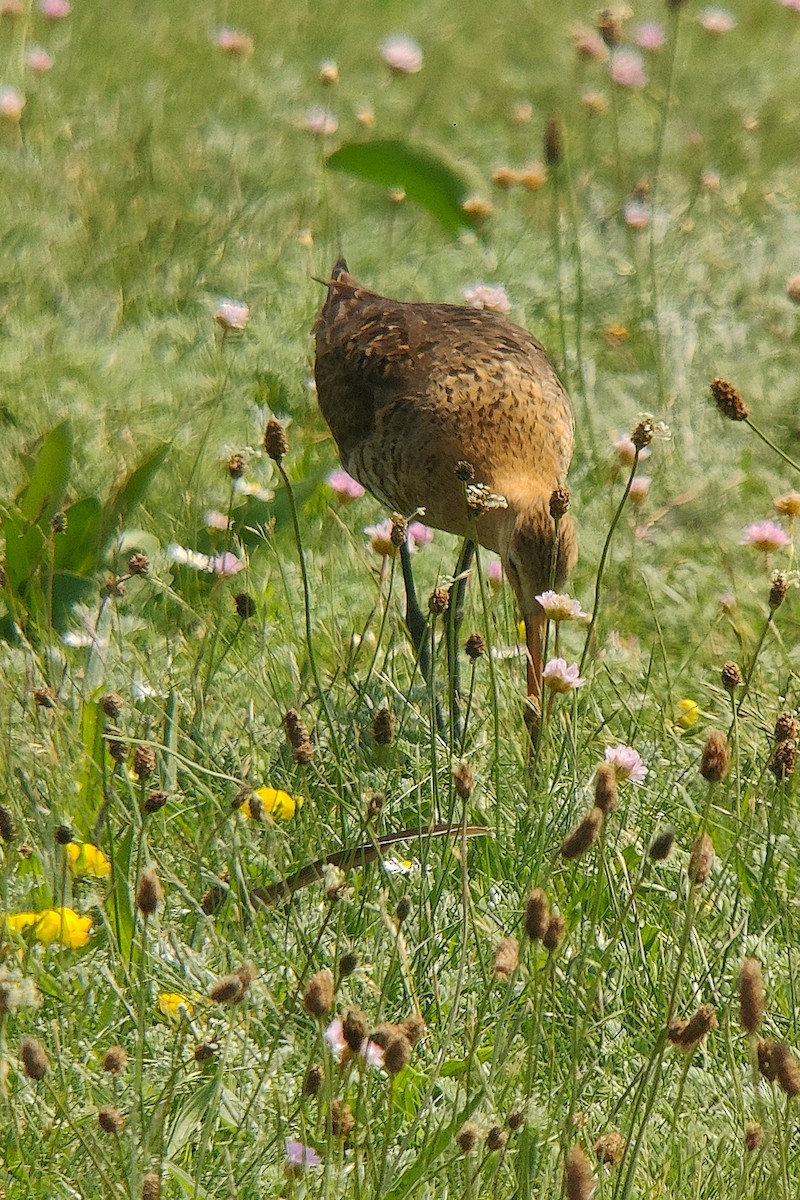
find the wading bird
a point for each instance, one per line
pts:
(421, 398)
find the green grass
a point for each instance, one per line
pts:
(150, 177)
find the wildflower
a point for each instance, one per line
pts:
(12, 104)
(494, 574)
(787, 1069)
(318, 995)
(580, 1182)
(150, 893)
(319, 121)
(505, 177)
(484, 295)
(627, 69)
(588, 43)
(276, 803)
(788, 505)
(37, 59)
(382, 542)
(474, 647)
(687, 713)
(627, 763)
(710, 179)
(783, 759)
(610, 1148)
(751, 995)
(344, 486)
(728, 400)
(34, 1058)
(299, 1156)
(232, 315)
(765, 536)
(533, 177)
(559, 607)
(537, 914)
(626, 451)
(174, 1006)
(11, 8)
(701, 860)
(115, 1060)
(478, 207)
(560, 677)
(402, 55)
(717, 20)
(637, 215)
(188, 558)
(506, 958)
(393, 865)
(86, 859)
(328, 71)
(467, 1137)
(233, 42)
(61, 925)
(731, 676)
(110, 1120)
(585, 833)
(55, 10)
(16, 992)
(245, 488)
(793, 283)
(649, 35)
(753, 1136)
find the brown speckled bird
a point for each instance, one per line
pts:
(411, 390)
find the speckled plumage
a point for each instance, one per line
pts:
(409, 390)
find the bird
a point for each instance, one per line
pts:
(417, 395)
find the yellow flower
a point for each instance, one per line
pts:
(687, 713)
(280, 805)
(86, 859)
(174, 1006)
(62, 925)
(16, 922)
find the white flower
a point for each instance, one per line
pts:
(483, 295)
(558, 607)
(400, 866)
(560, 677)
(627, 763)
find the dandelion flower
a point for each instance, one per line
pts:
(559, 607)
(232, 315)
(484, 295)
(12, 104)
(560, 677)
(717, 20)
(765, 536)
(345, 487)
(86, 859)
(627, 69)
(280, 805)
(298, 1155)
(402, 55)
(626, 763)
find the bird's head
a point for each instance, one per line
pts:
(527, 550)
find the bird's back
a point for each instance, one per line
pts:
(410, 389)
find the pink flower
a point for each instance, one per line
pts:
(225, 564)
(421, 534)
(55, 10)
(345, 487)
(232, 314)
(320, 121)
(233, 42)
(334, 1036)
(402, 54)
(639, 489)
(558, 607)
(637, 215)
(717, 20)
(37, 59)
(649, 35)
(380, 539)
(588, 43)
(626, 451)
(12, 104)
(484, 295)
(627, 763)
(494, 574)
(560, 677)
(765, 536)
(627, 69)
(299, 1155)
(216, 520)
(795, 4)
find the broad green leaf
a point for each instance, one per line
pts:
(43, 495)
(23, 548)
(69, 590)
(425, 177)
(78, 548)
(130, 493)
(120, 913)
(90, 782)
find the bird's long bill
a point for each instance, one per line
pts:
(534, 638)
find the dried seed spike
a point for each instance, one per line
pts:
(728, 400)
(355, 1028)
(662, 844)
(537, 914)
(701, 860)
(110, 1120)
(606, 792)
(506, 958)
(397, 1053)
(584, 835)
(115, 1060)
(715, 759)
(579, 1178)
(399, 531)
(383, 727)
(474, 647)
(787, 1069)
(559, 503)
(783, 760)
(767, 1061)
(754, 1136)
(496, 1138)
(467, 1137)
(610, 1148)
(150, 893)
(318, 996)
(751, 995)
(731, 676)
(553, 142)
(553, 935)
(275, 440)
(699, 1025)
(227, 990)
(34, 1058)
(778, 590)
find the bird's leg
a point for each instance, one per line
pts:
(453, 618)
(417, 625)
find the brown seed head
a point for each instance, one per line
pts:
(44, 697)
(467, 1137)
(787, 1069)
(355, 1028)
(113, 586)
(464, 780)
(559, 503)
(382, 1032)
(439, 601)
(247, 974)
(399, 531)
(478, 207)
(606, 792)
(778, 589)
(786, 728)
(375, 803)
(347, 964)
(155, 801)
(608, 23)
(144, 762)
(34, 1058)
(584, 835)
(295, 726)
(662, 844)
(383, 727)
(506, 958)
(7, 826)
(115, 1060)
(304, 754)
(402, 909)
(341, 1121)
(731, 676)
(701, 860)
(275, 440)
(58, 522)
(751, 995)
(788, 505)
(699, 1025)
(111, 705)
(64, 835)
(397, 1053)
(313, 1080)
(213, 899)
(515, 1120)
(728, 400)
(245, 606)
(474, 647)
(150, 893)
(318, 996)
(110, 1120)
(204, 1052)
(236, 465)
(767, 1061)
(412, 1028)
(537, 914)
(505, 177)
(579, 1178)
(138, 564)
(676, 1030)
(642, 433)
(715, 759)
(226, 990)
(610, 1148)
(783, 759)
(151, 1186)
(496, 1138)
(553, 142)
(465, 471)
(754, 1136)
(554, 934)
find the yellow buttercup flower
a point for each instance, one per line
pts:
(62, 925)
(86, 859)
(279, 805)
(687, 713)
(174, 1006)
(16, 922)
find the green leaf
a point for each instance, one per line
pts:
(120, 914)
(130, 493)
(425, 177)
(78, 548)
(69, 590)
(49, 477)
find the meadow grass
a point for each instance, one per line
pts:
(144, 707)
